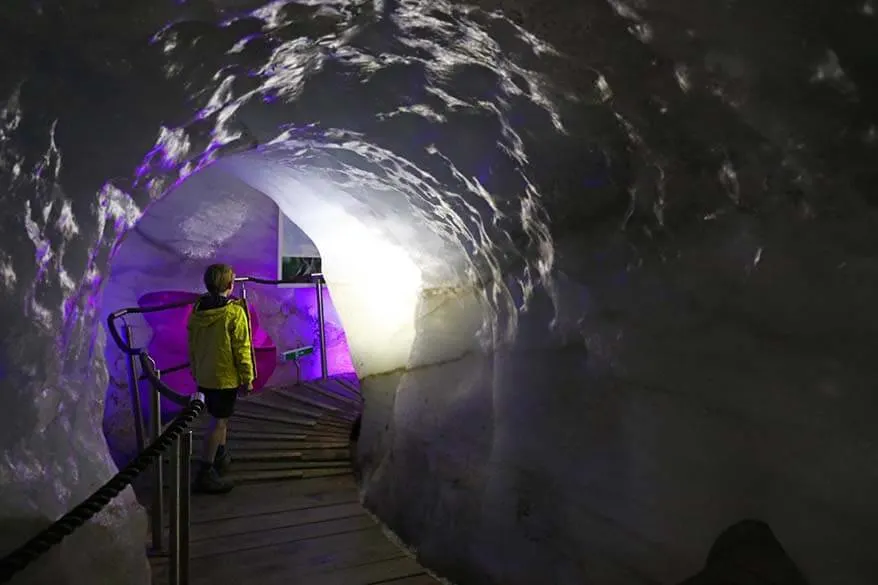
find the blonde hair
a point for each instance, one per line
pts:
(218, 278)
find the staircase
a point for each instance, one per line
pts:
(295, 432)
(313, 531)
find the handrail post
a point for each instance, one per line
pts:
(134, 389)
(157, 510)
(184, 504)
(174, 509)
(249, 327)
(321, 325)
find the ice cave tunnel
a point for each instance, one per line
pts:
(385, 273)
(589, 389)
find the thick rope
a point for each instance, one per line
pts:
(17, 560)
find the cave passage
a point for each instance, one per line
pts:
(603, 272)
(258, 211)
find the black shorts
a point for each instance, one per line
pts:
(219, 403)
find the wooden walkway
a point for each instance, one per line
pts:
(294, 516)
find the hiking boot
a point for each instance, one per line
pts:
(222, 461)
(208, 481)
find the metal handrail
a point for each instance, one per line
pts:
(163, 371)
(317, 279)
(180, 457)
(148, 363)
(176, 435)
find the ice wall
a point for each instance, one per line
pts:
(720, 369)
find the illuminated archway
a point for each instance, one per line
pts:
(379, 261)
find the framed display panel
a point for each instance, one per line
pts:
(297, 256)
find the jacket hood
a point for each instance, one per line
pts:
(209, 310)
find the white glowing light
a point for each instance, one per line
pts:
(375, 283)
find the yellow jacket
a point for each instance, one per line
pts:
(220, 345)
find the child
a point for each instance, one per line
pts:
(221, 360)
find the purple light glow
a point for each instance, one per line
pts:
(169, 348)
(303, 302)
(159, 152)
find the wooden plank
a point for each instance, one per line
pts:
(352, 384)
(281, 424)
(258, 540)
(216, 528)
(240, 446)
(288, 561)
(311, 531)
(276, 428)
(247, 472)
(248, 476)
(318, 397)
(205, 543)
(243, 467)
(293, 404)
(423, 579)
(343, 397)
(292, 421)
(289, 397)
(270, 402)
(290, 453)
(338, 388)
(236, 434)
(377, 571)
(273, 497)
(272, 462)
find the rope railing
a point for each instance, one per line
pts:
(19, 559)
(37, 546)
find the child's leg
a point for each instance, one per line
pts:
(219, 406)
(216, 438)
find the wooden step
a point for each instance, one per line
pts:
(294, 432)
(318, 428)
(299, 397)
(237, 434)
(269, 412)
(333, 391)
(292, 421)
(293, 395)
(304, 444)
(291, 403)
(276, 416)
(322, 395)
(275, 465)
(242, 477)
(258, 440)
(352, 384)
(341, 388)
(274, 449)
(278, 469)
(343, 454)
(312, 429)
(267, 403)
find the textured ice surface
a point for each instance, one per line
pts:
(704, 217)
